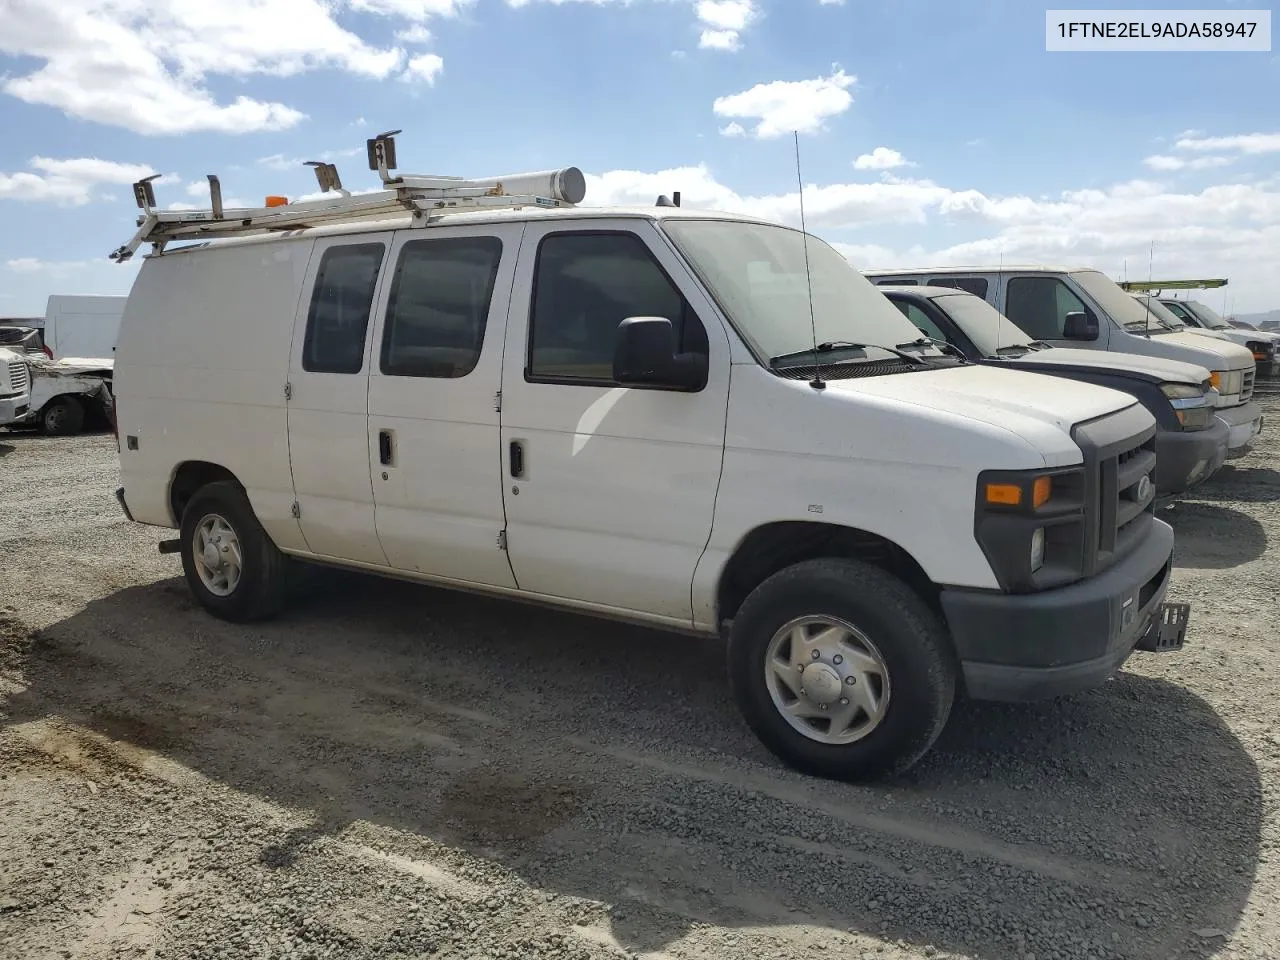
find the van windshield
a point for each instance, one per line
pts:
(757, 273)
(1163, 314)
(1208, 316)
(991, 331)
(1120, 306)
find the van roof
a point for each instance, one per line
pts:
(468, 218)
(924, 290)
(990, 268)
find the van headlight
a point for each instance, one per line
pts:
(1227, 382)
(1030, 525)
(1262, 352)
(1190, 405)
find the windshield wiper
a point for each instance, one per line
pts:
(927, 341)
(830, 345)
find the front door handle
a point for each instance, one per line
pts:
(384, 446)
(517, 458)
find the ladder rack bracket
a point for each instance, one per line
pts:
(425, 198)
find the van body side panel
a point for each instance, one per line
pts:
(199, 375)
(619, 484)
(432, 402)
(82, 326)
(328, 422)
(853, 457)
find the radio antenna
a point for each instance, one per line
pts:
(817, 382)
(1151, 265)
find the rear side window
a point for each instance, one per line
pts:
(1039, 306)
(975, 285)
(439, 306)
(340, 306)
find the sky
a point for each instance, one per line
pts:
(931, 131)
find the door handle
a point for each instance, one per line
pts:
(384, 446)
(517, 458)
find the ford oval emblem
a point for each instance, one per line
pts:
(1144, 487)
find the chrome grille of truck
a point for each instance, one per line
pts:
(18, 378)
(1119, 451)
(1246, 391)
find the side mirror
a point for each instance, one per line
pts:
(645, 354)
(1080, 326)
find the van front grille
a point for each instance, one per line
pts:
(1119, 455)
(1246, 391)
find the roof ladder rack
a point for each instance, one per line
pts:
(427, 198)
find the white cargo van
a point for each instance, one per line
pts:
(82, 326)
(1204, 320)
(15, 386)
(618, 411)
(1075, 307)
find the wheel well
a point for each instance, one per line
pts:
(775, 546)
(190, 477)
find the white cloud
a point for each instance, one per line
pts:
(785, 105)
(1251, 143)
(881, 158)
(415, 35)
(733, 129)
(721, 22)
(68, 182)
(146, 65)
(416, 10)
(1230, 229)
(1164, 162)
(32, 265)
(281, 162)
(424, 67)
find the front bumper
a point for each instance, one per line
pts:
(1244, 423)
(1187, 459)
(1040, 645)
(11, 408)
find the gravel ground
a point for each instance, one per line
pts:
(396, 771)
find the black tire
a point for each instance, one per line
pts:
(909, 637)
(62, 417)
(262, 589)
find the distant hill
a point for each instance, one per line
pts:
(1257, 318)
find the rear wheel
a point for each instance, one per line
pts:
(841, 670)
(231, 565)
(62, 417)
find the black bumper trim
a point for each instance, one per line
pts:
(124, 506)
(1178, 453)
(1031, 646)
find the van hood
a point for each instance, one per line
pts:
(1210, 352)
(1241, 337)
(988, 394)
(6, 355)
(1174, 371)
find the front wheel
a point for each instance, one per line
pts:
(231, 565)
(841, 670)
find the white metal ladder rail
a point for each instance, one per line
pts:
(426, 198)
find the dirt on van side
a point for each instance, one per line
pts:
(393, 771)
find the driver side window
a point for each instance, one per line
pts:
(584, 286)
(1039, 306)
